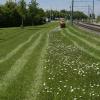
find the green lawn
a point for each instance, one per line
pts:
(48, 63)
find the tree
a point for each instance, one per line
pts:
(79, 15)
(98, 18)
(13, 14)
(9, 15)
(40, 16)
(22, 10)
(33, 9)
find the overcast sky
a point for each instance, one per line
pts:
(65, 4)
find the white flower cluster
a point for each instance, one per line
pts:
(67, 71)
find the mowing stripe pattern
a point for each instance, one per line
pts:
(85, 34)
(13, 52)
(34, 90)
(18, 66)
(84, 40)
(51, 64)
(82, 48)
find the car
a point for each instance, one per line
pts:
(62, 23)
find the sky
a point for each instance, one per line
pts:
(65, 4)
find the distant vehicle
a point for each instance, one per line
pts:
(62, 23)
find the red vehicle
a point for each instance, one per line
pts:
(62, 23)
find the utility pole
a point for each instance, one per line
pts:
(93, 6)
(93, 11)
(35, 3)
(50, 15)
(72, 10)
(88, 10)
(89, 13)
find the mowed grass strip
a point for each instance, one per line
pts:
(18, 66)
(91, 33)
(22, 36)
(86, 47)
(12, 43)
(83, 43)
(35, 86)
(10, 83)
(12, 37)
(8, 34)
(93, 45)
(9, 60)
(27, 78)
(6, 65)
(82, 48)
(35, 89)
(69, 73)
(13, 52)
(92, 73)
(87, 36)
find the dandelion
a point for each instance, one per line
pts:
(59, 88)
(93, 94)
(91, 86)
(60, 81)
(48, 91)
(71, 87)
(72, 90)
(84, 75)
(98, 73)
(75, 69)
(98, 95)
(44, 84)
(97, 68)
(80, 96)
(65, 86)
(45, 67)
(97, 85)
(66, 80)
(75, 98)
(83, 90)
(57, 93)
(52, 78)
(49, 78)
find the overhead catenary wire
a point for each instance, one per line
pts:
(73, 6)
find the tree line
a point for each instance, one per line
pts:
(23, 14)
(54, 14)
(98, 19)
(16, 14)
